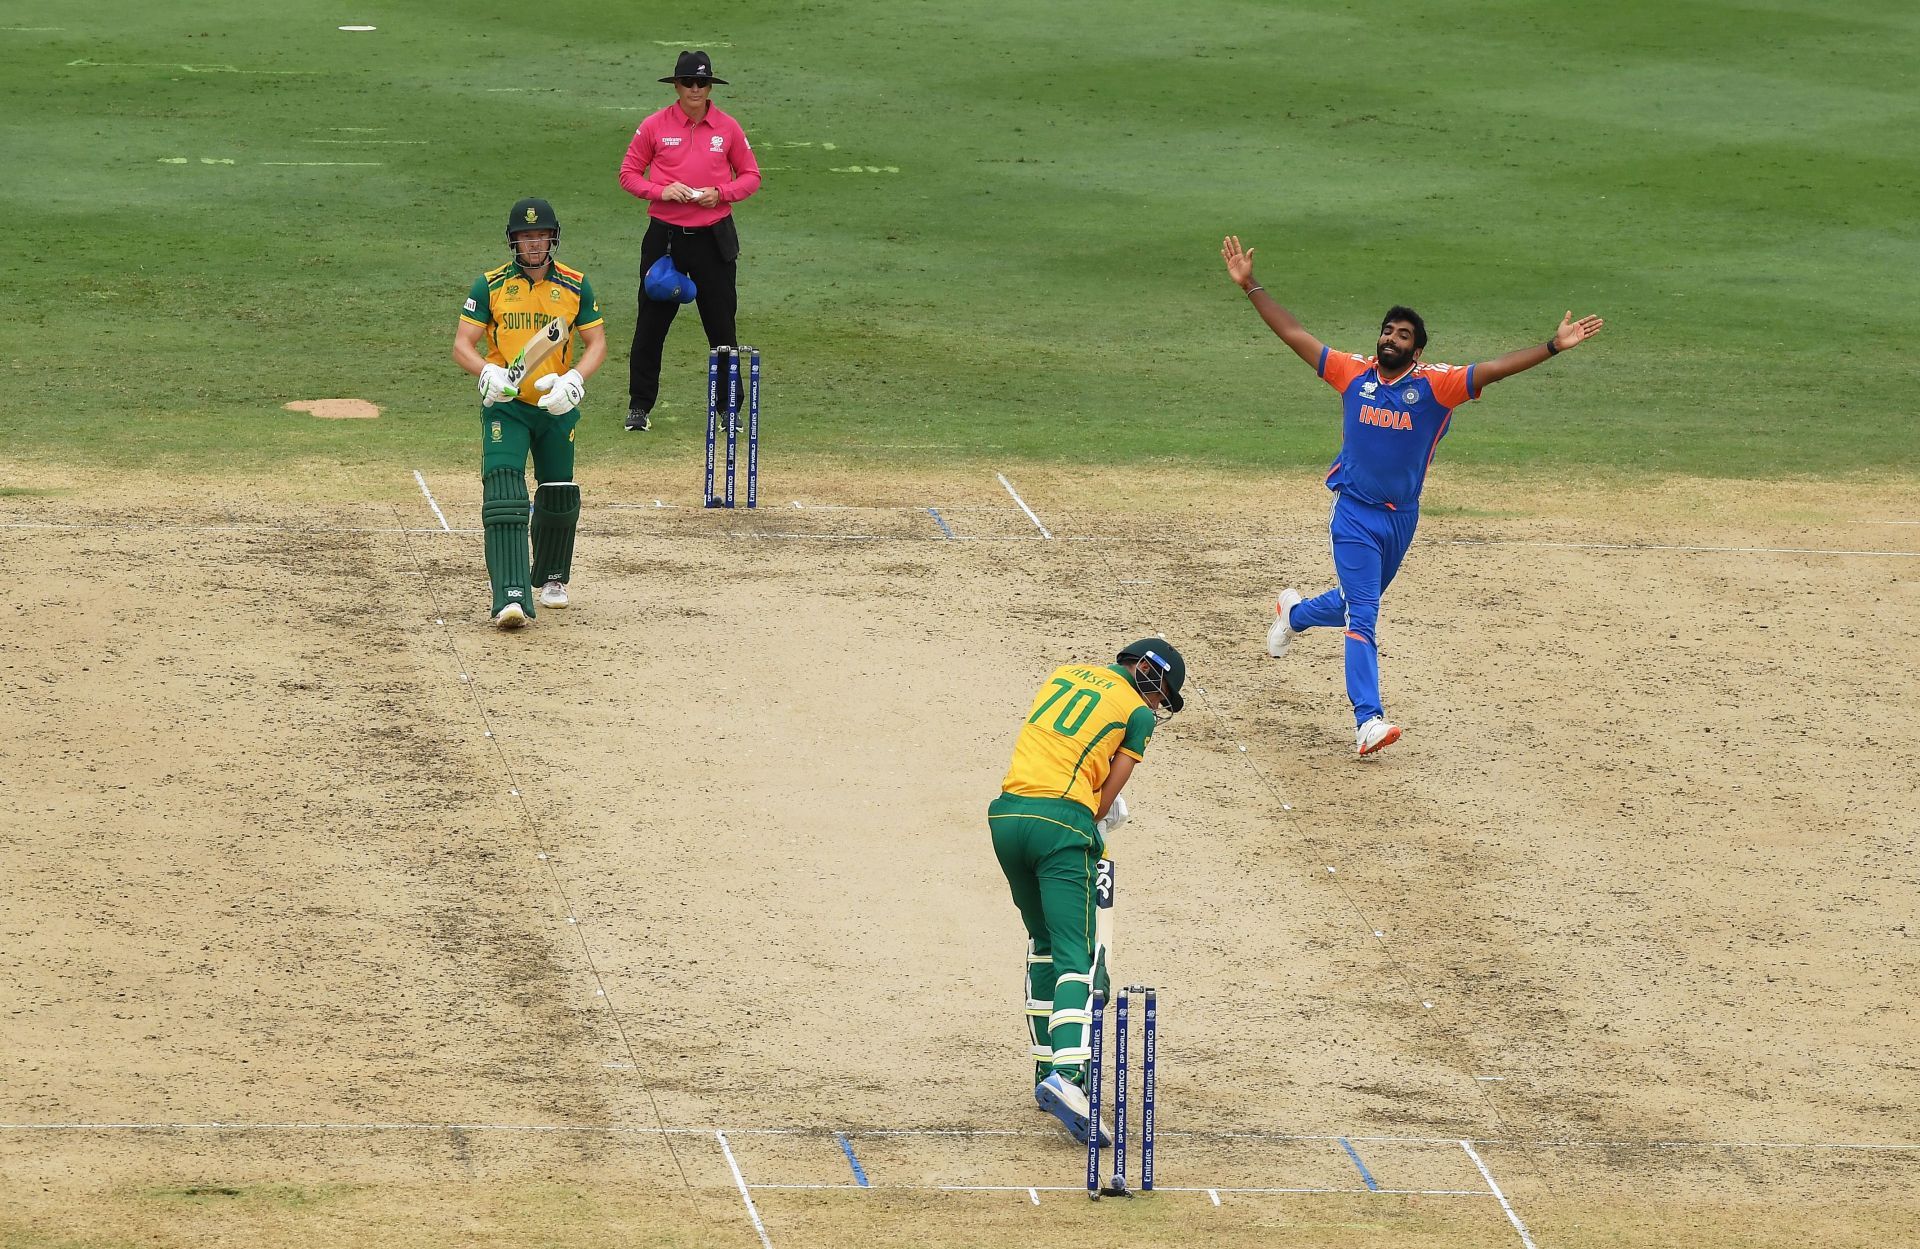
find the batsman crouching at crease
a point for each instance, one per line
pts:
(691, 163)
(1088, 726)
(528, 311)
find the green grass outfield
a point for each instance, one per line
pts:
(1033, 273)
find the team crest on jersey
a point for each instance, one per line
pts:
(1367, 388)
(554, 295)
(512, 290)
(1411, 396)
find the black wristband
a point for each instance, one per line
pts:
(1551, 349)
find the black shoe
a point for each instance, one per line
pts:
(637, 422)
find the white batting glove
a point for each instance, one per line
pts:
(494, 386)
(1116, 816)
(564, 391)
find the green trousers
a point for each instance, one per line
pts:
(509, 432)
(1049, 850)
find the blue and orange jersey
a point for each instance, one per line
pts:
(512, 310)
(1391, 429)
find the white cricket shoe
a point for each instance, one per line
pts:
(553, 594)
(1375, 735)
(1281, 635)
(1067, 1102)
(512, 616)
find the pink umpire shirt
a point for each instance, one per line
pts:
(667, 148)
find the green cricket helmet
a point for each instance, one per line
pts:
(1164, 660)
(533, 214)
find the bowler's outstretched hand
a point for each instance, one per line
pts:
(1239, 260)
(1572, 333)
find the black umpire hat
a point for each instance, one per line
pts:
(695, 65)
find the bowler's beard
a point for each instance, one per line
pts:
(1391, 356)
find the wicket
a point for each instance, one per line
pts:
(1116, 1185)
(725, 361)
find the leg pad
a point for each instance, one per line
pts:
(503, 513)
(556, 516)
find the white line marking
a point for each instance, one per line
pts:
(1023, 505)
(438, 515)
(1664, 546)
(1499, 1196)
(623, 1130)
(325, 164)
(230, 528)
(1033, 1196)
(745, 1196)
(84, 63)
(382, 142)
(1215, 1194)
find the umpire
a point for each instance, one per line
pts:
(691, 163)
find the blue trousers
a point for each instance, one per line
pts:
(1368, 544)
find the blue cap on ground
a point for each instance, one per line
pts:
(667, 284)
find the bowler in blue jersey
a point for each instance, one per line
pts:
(1395, 410)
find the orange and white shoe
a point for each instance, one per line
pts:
(1280, 634)
(1374, 736)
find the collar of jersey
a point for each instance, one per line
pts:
(528, 277)
(1396, 381)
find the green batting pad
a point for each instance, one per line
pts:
(556, 516)
(503, 511)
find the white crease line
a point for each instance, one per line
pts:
(1023, 505)
(740, 1180)
(438, 515)
(826, 1132)
(1227, 543)
(616, 1130)
(1634, 547)
(227, 528)
(1500, 1197)
(889, 507)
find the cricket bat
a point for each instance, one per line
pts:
(538, 348)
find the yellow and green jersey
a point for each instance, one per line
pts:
(511, 310)
(1080, 718)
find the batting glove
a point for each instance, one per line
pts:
(494, 386)
(1116, 816)
(564, 391)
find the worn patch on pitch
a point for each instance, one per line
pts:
(336, 409)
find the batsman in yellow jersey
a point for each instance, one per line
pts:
(505, 311)
(1088, 726)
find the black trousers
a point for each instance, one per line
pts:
(708, 255)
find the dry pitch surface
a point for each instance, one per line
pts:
(334, 918)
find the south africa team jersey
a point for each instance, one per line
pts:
(1390, 430)
(1066, 747)
(511, 309)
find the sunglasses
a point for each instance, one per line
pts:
(696, 82)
